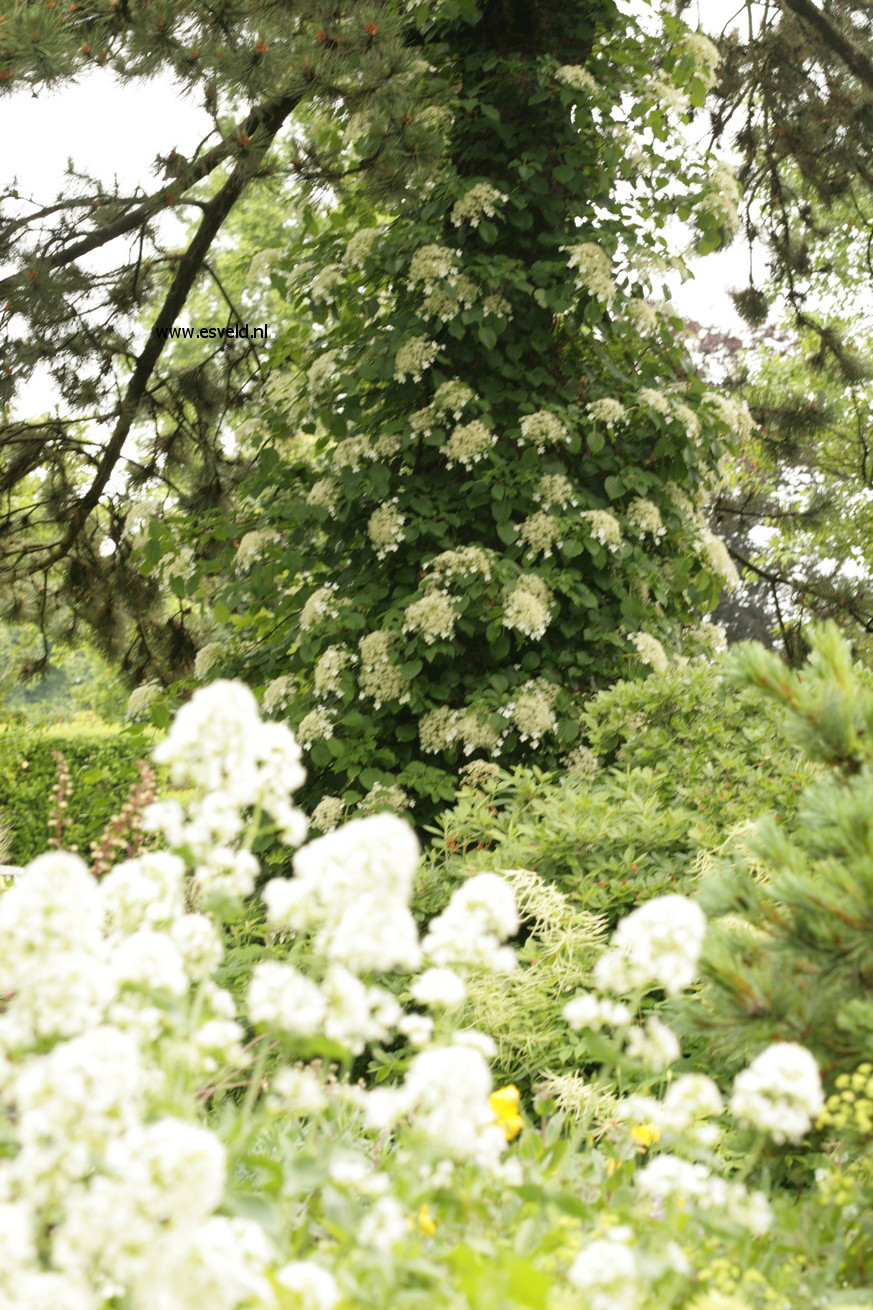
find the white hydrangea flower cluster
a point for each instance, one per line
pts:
(351, 453)
(685, 415)
(475, 732)
(207, 657)
(432, 264)
(706, 56)
(325, 493)
(577, 77)
(433, 617)
(414, 358)
(465, 562)
(593, 269)
(665, 92)
(499, 306)
(382, 798)
(360, 246)
(734, 413)
(604, 528)
(446, 303)
(379, 678)
(469, 443)
(657, 944)
(542, 429)
(322, 604)
(780, 1093)
(555, 489)
(453, 397)
(643, 315)
(680, 500)
(650, 651)
(481, 200)
(442, 727)
(321, 374)
(722, 198)
(532, 710)
(607, 411)
(436, 729)
(712, 636)
(717, 558)
(278, 693)
(528, 606)
(540, 532)
(323, 287)
(329, 668)
(253, 546)
(327, 814)
(317, 725)
(385, 528)
(645, 516)
(659, 401)
(141, 699)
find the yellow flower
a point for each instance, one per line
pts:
(504, 1103)
(645, 1134)
(423, 1222)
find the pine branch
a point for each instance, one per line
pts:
(187, 176)
(187, 271)
(854, 59)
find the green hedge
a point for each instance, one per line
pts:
(102, 762)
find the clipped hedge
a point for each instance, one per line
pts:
(102, 763)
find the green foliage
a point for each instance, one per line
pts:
(790, 955)
(43, 687)
(677, 763)
(102, 767)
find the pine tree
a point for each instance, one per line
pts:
(789, 952)
(511, 451)
(132, 419)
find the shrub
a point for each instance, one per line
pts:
(681, 760)
(102, 763)
(673, 764)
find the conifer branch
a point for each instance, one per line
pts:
(854, 59)
(187, 176)
(188, 268)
